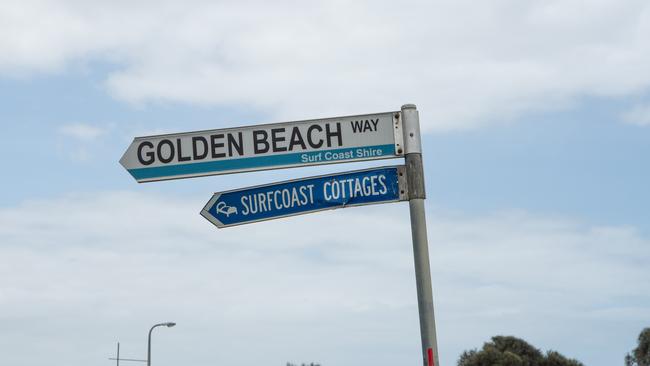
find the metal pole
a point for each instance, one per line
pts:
(169, 325)
(415, 178)
(118, 353)
(149, 345)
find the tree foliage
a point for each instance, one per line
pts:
(512, 351)
(641, 354)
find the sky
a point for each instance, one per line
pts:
(536, 137)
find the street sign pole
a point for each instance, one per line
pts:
(365, 137)
(415, 181)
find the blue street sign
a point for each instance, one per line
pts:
(296, 197)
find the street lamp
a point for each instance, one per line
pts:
(169, 325)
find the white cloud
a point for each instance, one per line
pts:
(80, 141)
(638, 115)
(465, 63)
(78, 273)
(81, 131)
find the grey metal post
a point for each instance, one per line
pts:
(118, 353)
(415, 178)
(169, 325)
(149, 345)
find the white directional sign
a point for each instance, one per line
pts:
(271, 146)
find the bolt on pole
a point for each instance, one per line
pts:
(415, 179)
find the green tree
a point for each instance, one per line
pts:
(556, 359)
(641, 354)
(512, 351)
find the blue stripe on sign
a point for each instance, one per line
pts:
(249, 163)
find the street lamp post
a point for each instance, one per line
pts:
(169, 325)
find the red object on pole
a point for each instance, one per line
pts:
(430, 354)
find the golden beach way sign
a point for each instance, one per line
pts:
(261, 147)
